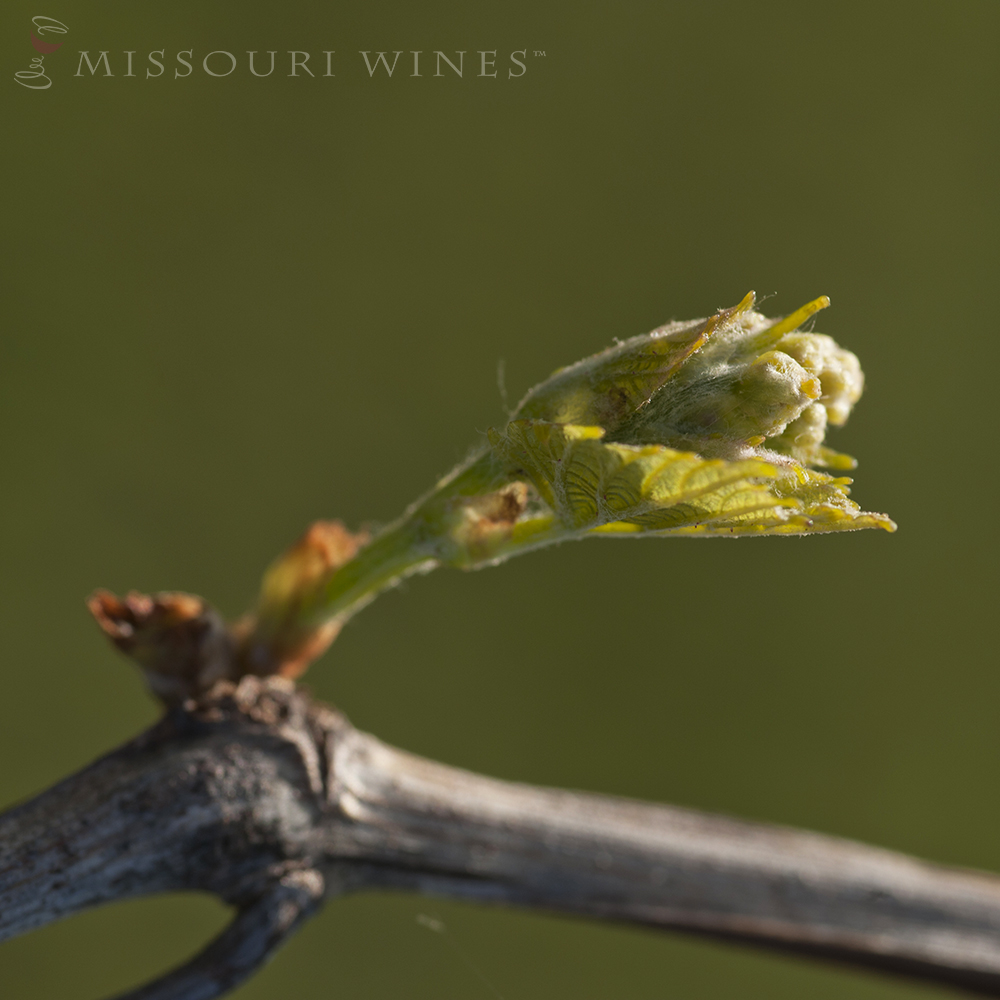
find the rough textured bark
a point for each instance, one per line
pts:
(274, 803)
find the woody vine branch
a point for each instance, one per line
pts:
(249, 790)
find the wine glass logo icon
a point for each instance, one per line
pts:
(34, 77)
(47, 26)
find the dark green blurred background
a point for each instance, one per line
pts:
(235, 305)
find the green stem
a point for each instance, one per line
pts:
(419, 541)
(392, 555)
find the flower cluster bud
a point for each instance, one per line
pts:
(732, 386)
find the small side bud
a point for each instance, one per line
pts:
(482, 524)
(281, 638)
(181, 644)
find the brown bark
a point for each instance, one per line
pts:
(274, 803)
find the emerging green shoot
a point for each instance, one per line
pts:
(713, 427)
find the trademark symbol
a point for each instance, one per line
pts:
(539, 52)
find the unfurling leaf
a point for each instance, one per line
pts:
(589, 484)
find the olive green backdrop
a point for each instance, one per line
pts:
(233, 305)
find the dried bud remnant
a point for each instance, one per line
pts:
(181, 644)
